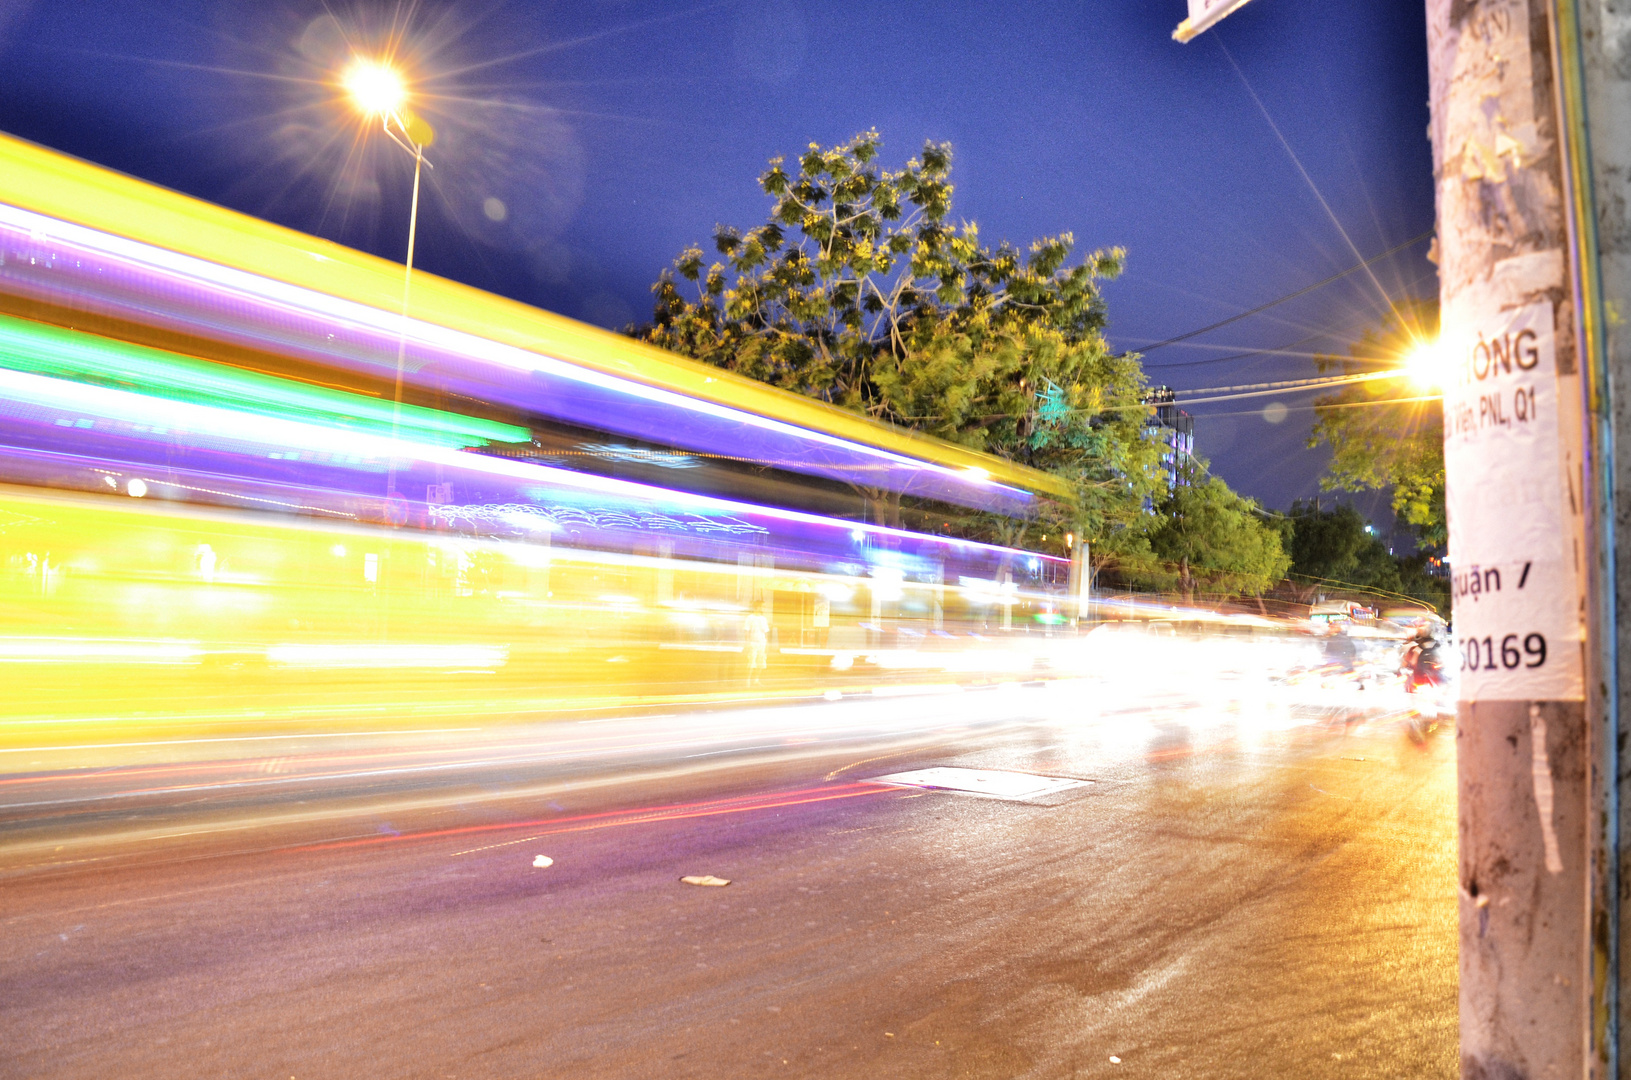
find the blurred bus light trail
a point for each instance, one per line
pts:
(71, 650)
(104, 269)
(396, 654)
(242, 567)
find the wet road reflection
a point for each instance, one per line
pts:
(1256, 877)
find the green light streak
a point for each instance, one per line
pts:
(69, 354)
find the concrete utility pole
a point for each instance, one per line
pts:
(1526, 96)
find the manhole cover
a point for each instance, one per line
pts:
(991, 782)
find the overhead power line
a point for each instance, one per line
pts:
(1320, 408)
(1265, 393)
(1304, 291)
(1295, 384)
(1284, 350)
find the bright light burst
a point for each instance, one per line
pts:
(376, 88)
(1429, 365)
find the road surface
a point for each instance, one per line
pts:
(1228, 891)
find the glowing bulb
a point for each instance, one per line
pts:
(376, 88)
(1429, 365)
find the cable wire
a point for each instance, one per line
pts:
(1305, 290)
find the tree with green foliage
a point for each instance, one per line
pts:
(1334, 549)
(1215, 541)
(858, 290)
(1381, 434)
(1326, 543)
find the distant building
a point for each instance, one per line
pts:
(1176, 430)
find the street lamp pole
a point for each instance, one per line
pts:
(377, 89)
(419, 163)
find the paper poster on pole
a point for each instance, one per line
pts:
(1511, 510)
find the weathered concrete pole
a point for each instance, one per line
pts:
(1518, 498)
(1592, 50)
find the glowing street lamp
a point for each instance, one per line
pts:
(378, 91)
(1430, 365)
(376, 88)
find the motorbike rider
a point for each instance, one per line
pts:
(1421, 664)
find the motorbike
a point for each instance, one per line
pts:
(1423, 670)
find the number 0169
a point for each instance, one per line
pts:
(1488, 654)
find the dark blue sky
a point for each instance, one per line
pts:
(615, 134)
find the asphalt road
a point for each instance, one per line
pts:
(1233, 892)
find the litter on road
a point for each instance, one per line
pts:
(543, 860)
(705, 879)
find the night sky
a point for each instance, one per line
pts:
(582, 145)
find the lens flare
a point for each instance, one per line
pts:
(376, 88)
(1429, 365)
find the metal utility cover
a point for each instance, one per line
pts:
(989, 782)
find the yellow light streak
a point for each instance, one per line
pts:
(192, 621)
(388, 655)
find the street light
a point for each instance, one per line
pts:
(376, 88)
(379, 92)
(1429, 364)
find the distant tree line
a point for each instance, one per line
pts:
(1335, 552)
